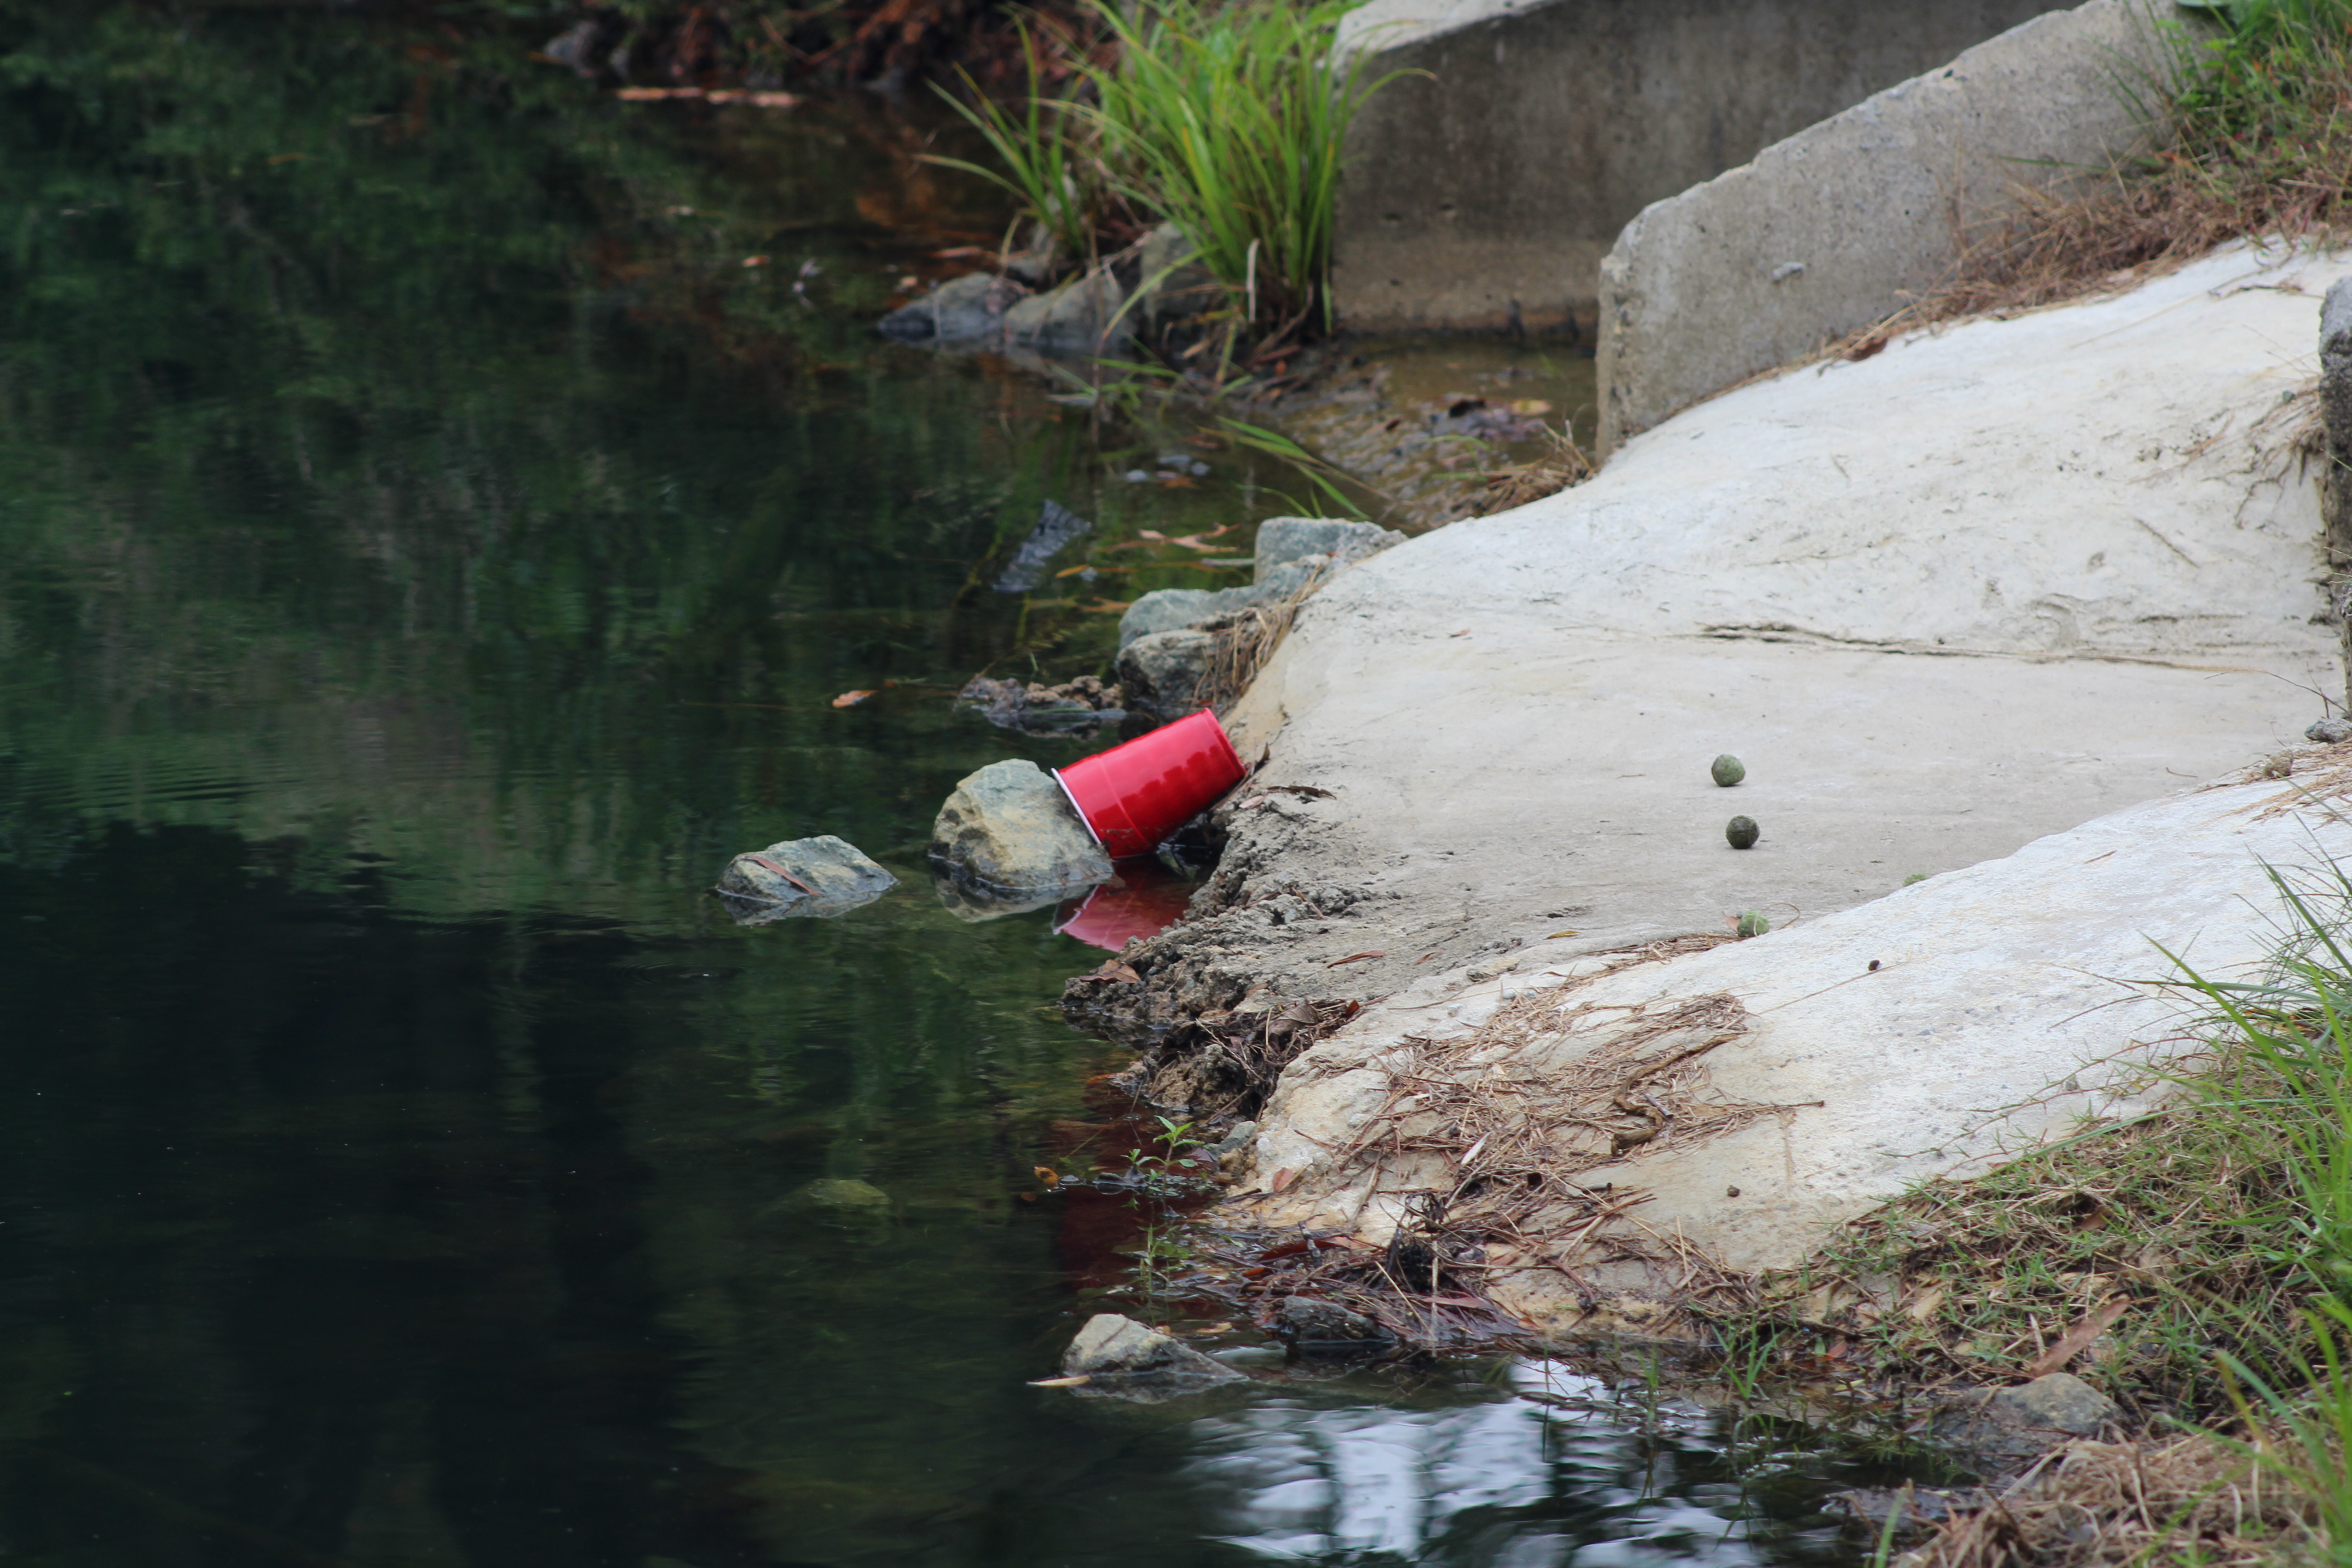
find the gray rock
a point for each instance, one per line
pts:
(1081, 317)
(1162, 673)
(842, 1193)
(1292, 553)
(1009, 833)
(1312, 1327)
(1282, 538)
(2059, 1400)
(1173, 290)
(1056, 526)
(1111, 1347)
(960, 310)
(1172, 609)
(2330, 731)
(1240, 1136)
(833, 877)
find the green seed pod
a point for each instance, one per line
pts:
(1753, 923)
(1728, 769)
(1741, 833)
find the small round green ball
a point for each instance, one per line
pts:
(1727, 770)
(1741, 833)
(1753, 923)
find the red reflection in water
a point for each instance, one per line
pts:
(1144, 899)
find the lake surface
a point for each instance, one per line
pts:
(438, 508)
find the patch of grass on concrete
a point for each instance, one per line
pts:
(2256, 131)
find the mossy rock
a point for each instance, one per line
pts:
(1740, 833)
(1727, 770)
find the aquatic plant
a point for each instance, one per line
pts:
(1227, 123)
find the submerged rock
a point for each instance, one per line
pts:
(1283, 539)
(962, 309)
(1008, 833)
(1082, 316)
(842, 1193)
(1056, 526)
(820, 877)
(1113, 1349)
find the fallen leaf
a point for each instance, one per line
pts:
(1179, 482)
(1561, 933)
(653, 94)
(1151, 534)
(852, 698)
(957, 252)
(1463, 633)
(779, 870)
(1281, 1179)
(757, 99)
(1080, 1381)
(1531, 406)
(1376, 952)
(1106, 607)
(755, 261)
(2078, 1338)
(1047, 1174)
(1113, 969)
(1920, 1310)
(1212, 1329)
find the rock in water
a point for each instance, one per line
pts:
(959, 310)
(1056, 526)
(1741, 832)
(1163, 671)
(824, 876)
(1111, 1347)
(1009, 831)
(1727, 770)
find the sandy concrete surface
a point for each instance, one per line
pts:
(2009, 1001)
(1972, 592)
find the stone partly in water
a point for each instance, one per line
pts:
(1080, 707)
(1727, 770)
(1083, 316)
(1292, 554)
(818, 876)
(1740, 833)
(1310, 1327)
(1009, 834)
(1162, 673)
(1112, 1348)
(971, 309)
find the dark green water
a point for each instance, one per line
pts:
(426, 552)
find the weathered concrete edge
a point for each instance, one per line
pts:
(1827, 231)
(2336, 477)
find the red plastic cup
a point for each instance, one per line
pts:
(1133, 796)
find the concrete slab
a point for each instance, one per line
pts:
(1484, 193)
(2002, 1008)
(1837, 225)
(1945, 603)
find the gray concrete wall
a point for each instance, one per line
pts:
(1832, 229)
(1546, 126)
